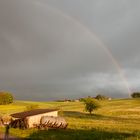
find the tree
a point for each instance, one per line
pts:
(5, 98)
(91, 104)
(135, 95)
(101, 97)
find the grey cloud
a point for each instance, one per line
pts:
(45, 54)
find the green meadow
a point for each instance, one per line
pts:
(117, 119)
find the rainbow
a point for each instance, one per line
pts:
(96, 38)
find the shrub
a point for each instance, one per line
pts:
(91, 104)
(135, 95)
(5, 98)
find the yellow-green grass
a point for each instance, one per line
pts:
(116, 119)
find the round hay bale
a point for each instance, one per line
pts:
(53, 122)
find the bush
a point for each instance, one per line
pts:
(5, 98)
(91, 104)
(135, 95)
(101, 97)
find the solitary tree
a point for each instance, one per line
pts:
(5, 98)
(91, 104)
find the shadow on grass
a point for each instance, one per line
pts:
(76, 114)
(80, 115)
(70, 134)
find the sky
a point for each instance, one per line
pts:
(57, 49)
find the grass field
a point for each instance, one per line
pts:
(115, 120)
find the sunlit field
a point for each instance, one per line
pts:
(115, 120)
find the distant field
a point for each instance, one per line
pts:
(115, 120)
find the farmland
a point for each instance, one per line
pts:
(116, 119)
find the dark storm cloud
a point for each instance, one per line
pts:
(46, 54)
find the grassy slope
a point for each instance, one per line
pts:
(116, 119)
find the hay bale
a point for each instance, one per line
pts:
(53, 122)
